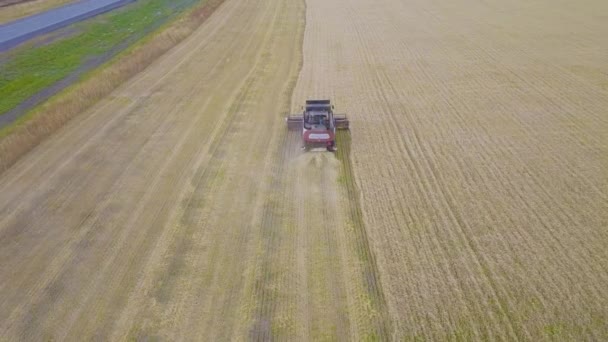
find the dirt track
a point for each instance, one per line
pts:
(179, 207)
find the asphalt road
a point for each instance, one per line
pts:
(19, 31)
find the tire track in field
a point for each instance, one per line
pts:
(272, 229)
(228, 301)
(214, 185)
(301, 279)
(333, 242)
(206, 187)
(285, 308)
(208, 167)
(200, 169)
(275, 301)
(380, 320)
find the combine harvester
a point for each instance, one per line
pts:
(318, 125)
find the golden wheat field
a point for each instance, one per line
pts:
(468, 201)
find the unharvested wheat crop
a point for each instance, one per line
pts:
(479, 143)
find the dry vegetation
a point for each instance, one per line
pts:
(14, 9)
(479, 144)
(468, 202)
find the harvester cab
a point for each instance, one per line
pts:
(318, 124)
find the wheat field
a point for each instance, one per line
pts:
(468, 201)
(480, 145)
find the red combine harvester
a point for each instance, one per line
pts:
(318, 124)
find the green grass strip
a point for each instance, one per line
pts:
(33, 69)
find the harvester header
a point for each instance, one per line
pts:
(318, 124)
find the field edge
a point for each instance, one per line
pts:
(30, 129)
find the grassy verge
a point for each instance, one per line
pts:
(32, 69)
(30, 129)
